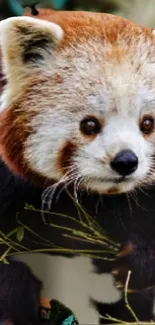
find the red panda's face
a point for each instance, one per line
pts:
(79, 104)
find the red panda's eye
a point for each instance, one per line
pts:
(90, 126)
(147, 125)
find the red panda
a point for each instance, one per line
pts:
(78, 105)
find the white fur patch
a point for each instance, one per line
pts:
(7, 24)
(13, 40)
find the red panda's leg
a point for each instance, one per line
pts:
(19, 294)
(138, 256)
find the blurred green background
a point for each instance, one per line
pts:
(140, 11)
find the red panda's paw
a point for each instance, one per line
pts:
(122, 270)
(134, 268)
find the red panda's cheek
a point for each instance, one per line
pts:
(65, 161)
(13, 135)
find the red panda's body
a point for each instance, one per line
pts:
(78, 108)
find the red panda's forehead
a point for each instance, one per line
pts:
(80, 26)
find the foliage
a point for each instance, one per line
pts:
(85, 230)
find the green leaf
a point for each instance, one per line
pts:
(29, 207)
(4, 260)
(20, 233)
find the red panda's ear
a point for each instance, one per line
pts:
(27, 43)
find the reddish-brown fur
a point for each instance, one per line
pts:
(12, 149)
(65, 156)
(79, 25)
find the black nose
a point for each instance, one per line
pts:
(125, 162)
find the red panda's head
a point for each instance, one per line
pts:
(79, 102)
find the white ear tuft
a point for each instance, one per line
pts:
(153, 32)
(11, 25)
(26, 42)
(27, 45)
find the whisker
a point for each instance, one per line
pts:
(129, 204)
(48, 194)
(77, 184)
(66, 184)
